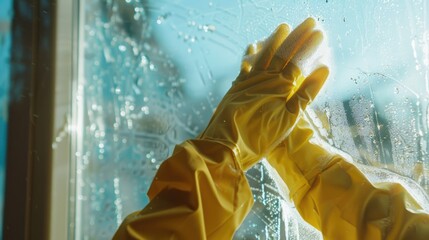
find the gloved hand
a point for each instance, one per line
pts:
(201, 192)
(262, 106)
(336, 198)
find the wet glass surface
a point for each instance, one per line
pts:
(152, 73)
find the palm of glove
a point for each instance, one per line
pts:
(262, 106)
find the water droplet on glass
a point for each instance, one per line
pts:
(152, 67)
(159, 20)
(162, 18)
(209, 28)
(122, 48)
(145, 110)
(143, 61)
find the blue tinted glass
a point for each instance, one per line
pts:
(153, 72)
(5, 44)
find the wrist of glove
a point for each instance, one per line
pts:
(298, 160)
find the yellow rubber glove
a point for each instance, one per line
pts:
(335, 197)
(262, 106)
(201, 192)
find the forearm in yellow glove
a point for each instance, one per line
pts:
(335, 197)
(200, 192)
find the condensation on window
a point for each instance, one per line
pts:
(152, 72)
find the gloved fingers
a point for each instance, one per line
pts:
(246, 64)
(263, 84)
(293, 43)
(294, 69)
(254, 48)
(270, 47)
(308, 90)
(247, 60)
(293, 74)
(275, 86)
(250, 50)
(249, 57)
(308, 49)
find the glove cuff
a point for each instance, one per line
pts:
(241, 157)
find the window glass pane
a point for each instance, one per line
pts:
(152, 73)
(5, 37)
